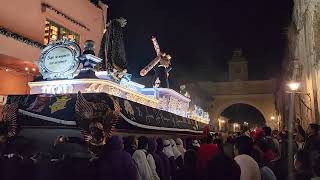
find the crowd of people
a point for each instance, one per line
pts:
(259, 154)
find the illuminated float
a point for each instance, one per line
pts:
(72, 93)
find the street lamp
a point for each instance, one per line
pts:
(294, 86)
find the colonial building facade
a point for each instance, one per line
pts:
(27, 26)
(302, 63)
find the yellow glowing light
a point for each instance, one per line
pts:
(26, 69)
(272, 118)
(33, 69)
(294, 85)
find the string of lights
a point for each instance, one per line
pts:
(20, 38)
(65, 16)
(27, 70)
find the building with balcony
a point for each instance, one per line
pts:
(27, 26)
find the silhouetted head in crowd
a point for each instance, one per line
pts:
(283, 135)
(160, 145)
(222, 167)
(189, 143)
(115, 143)
(130, 142)
(313, 129)
(262, 145)
(301, 161)
(257, 156)
(243, 145)
(143, 142)
(267, 130)
(190, 159)
(152, 145)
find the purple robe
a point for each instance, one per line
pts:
(116, 163)
(166, 172)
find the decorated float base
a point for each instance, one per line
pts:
(83, 110)
(159, 98)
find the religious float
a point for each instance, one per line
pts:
(97, 96)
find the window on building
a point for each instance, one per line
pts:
(54, 31)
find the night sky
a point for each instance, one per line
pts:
(200, 35)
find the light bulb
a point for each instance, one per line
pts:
(26, 69)
(33, 69)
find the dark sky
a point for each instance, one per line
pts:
(200, 35)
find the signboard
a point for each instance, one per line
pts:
(59, 60)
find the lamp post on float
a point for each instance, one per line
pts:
(293, 87)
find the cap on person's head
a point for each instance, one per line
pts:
(142, 142)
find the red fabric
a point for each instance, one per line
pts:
(268, 155)
(257, 134)
(205, 131)
(205, 153)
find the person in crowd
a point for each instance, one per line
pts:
(300, 136)
(150, 156)
(168, 151)
(144, 161)
(312, 142)
(114, 161)
(221, 167)
(258, 154)
(302, 166)
(16, 159)
(189, 141)
(228, 150)
(249, 167)
(180, 147)
(316, 169)
(130, 144)
(273, 143)
(267, 154)
(152, 147)
(188, 171)
(195, 145)
(177, 154)
(165, 174)
(219, 142)
(206, 151)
